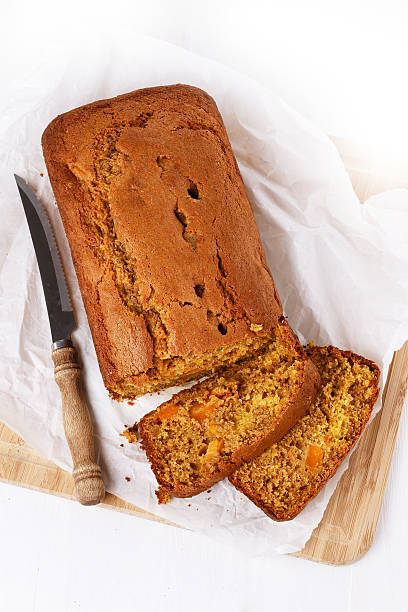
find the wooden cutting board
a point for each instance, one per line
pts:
(349, 523)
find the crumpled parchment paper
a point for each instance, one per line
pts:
(341, 269)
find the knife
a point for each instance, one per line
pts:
(89, 486)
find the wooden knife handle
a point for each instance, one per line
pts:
(89, 486)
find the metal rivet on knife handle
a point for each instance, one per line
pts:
(89, 486)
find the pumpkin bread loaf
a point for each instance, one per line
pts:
(164, 242)
(204, 433)
(291, 472)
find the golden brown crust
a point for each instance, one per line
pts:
(301, 399)
(157, 163)
(256, 498)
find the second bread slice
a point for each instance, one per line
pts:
(203, 434)
(290, 473)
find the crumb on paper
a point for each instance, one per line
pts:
(130, 434)
(162, 496)
(209, 491)
(127, 478)
(122, 445)
(41, 173)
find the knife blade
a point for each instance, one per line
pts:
(60, 313)
(78, 428)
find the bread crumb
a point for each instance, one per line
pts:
(256, 327)
(162, 496)
(127, 478)
(131, 434)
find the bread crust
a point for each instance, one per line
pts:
(297, 405)
(256, 499)
(160, 162)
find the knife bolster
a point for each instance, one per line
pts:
(66, 343)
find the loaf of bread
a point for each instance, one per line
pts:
(163, 239)
(291, 472)
(204, 433)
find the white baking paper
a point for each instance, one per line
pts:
(341, 268)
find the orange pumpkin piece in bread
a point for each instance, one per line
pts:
(314, 457)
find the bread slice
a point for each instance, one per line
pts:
(204, 433)
(291, 472)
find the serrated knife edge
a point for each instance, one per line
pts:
(66, 304)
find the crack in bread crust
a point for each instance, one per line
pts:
(105, 243)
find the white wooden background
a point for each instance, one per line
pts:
(343, 64)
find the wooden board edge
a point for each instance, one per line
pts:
(384, 430)
(111, 501)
